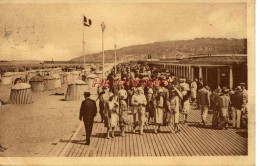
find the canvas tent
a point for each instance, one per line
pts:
(75, 90)
(37, 84)
(21, 94)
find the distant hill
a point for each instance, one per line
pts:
(169, 49)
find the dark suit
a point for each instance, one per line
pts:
(88, 111)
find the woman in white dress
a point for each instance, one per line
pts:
(174, 106)
(158, 110)
(111, 115)
(186, 106)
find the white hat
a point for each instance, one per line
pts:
(150, 91)
(160, 90)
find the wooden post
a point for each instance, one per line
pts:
(230, 77)
(200, 73)
(218, 77)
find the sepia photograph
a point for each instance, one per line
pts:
(155, 80)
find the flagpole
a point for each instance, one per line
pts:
(115, 59)
(103, 26)
(83, 49)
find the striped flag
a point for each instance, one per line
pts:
(86, 22)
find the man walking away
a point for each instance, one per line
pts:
(88, 111)
(225, 102)
(204, 103)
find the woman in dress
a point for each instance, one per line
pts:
(186, 106)
(123, 116)
(174, 106)
(111, 115)
(158, 111)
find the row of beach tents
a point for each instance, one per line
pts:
(39, 81)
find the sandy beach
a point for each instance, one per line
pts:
(27, 129)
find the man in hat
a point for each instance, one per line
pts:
(236, 106)
(88, 111)
(139, 105)
(204, 103)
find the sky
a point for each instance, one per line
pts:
(46, 31)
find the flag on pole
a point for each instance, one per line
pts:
(86, 22)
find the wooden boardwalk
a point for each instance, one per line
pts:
(193, 140)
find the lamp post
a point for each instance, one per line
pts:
(115, 59)
(103, 27)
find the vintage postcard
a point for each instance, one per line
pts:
(127, 82)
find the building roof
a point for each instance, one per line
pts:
(216, 60)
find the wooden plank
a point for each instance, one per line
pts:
(194, 141)
(147, 139)
(143, 147)
(146, 145)
(68, 147)
(113, 147)
(179, 150)
(101, 139)
(153, 143)
(61, 145)
(109, 146)
(76, 145)
(120, 146)
(95, 136)
(131, 141)
(136, 153)
(201, 136)
(167, 142)
(52, 148)
(127, 142)
(214, 131)
(200, 133)
(183, 145)
(171, 143)
(162, 141)
(103, 152)
(211, 144)
(115, 153)
(80, 142)
(123, 146)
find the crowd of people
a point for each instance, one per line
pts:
(162, 104)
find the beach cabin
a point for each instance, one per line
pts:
(37, 84)
(21, 94)
(75, 90)
(49, 82)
